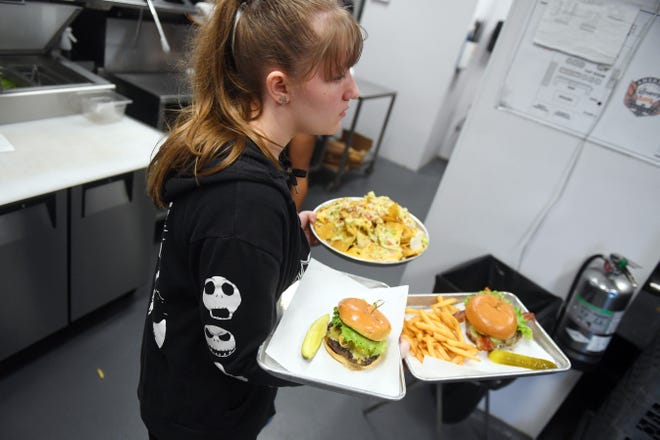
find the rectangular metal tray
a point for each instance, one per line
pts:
(540, 337)
(272, 367)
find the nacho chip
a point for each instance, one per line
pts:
(324, 231)
(373, 228)
(389, 235)
(393, 213)
(342, 244)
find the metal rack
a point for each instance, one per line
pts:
(368, 90)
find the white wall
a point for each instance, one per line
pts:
(502, 174)
(463, 88)
(412, 47)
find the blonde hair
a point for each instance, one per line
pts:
(230, 57)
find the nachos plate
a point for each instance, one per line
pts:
(370, 229)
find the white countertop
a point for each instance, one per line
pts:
(53, 154)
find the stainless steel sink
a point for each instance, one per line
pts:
(39, 87)
(20, 73)
(35, 83)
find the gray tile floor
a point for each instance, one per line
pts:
(81, 383)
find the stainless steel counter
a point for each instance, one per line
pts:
(57, 153)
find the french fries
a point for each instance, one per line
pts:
(436, 332)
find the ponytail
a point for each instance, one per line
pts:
(229, 59)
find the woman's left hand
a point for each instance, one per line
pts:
(306, 219)
(404, 347)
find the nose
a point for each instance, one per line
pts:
(352, 90)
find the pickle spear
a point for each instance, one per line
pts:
(520, 360)
(314, 336)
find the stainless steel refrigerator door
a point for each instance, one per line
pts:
(112, 228)
(33, 271)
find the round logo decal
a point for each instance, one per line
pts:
(643, 97)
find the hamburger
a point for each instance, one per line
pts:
(493, 322)
(357, 334)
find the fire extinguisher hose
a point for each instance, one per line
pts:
(571, 291)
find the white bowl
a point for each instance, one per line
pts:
(364, 261)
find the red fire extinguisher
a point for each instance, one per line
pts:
(596, 302)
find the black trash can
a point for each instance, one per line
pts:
(459, 399)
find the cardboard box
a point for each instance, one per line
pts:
(360, 146)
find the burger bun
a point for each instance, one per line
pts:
(491, 316)
(364, 318)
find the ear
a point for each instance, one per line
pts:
(277, 87)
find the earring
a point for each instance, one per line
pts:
(284, 100)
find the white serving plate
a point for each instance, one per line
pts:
(362, 260)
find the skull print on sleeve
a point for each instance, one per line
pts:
(237, 305)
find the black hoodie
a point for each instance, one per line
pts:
(231, 244)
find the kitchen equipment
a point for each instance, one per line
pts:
(126, 46)
(103, 107)
(108, 261)
(596, 302)
(163, 40)
(157, 96)
(33, 245)
(162, 6)
(368, 91)
(35, 81)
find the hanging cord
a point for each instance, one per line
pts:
(138, 28)
(562, 310)
(292, 173)
(531, 232)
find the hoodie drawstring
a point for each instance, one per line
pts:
(292, 173)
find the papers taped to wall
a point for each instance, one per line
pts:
(591, 29)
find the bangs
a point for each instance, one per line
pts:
(340, 45)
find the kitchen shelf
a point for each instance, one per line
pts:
(368, 91)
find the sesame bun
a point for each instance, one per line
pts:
(491, 316)
(364, 318)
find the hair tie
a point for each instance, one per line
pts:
(237, 16)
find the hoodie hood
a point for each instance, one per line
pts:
(252, 165)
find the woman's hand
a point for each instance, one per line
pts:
(404, 347)
(306, 219)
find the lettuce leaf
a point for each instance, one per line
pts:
(523, 326)
(361, 344)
